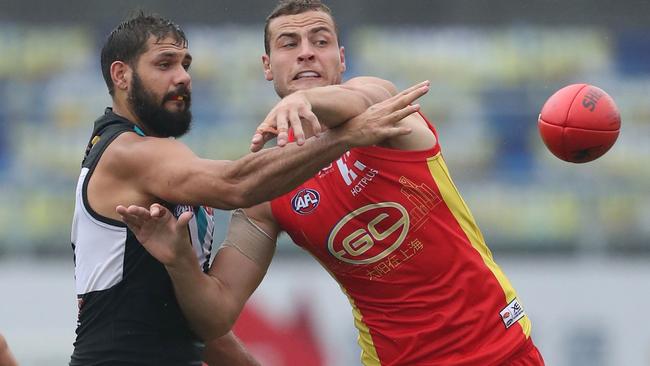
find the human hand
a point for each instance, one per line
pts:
(159, 232)
(291, 111)
(379, 121)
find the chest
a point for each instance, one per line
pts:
(358, 213)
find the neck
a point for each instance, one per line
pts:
(122, 109)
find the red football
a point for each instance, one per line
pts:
(579, 123)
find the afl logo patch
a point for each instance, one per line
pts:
(305, 201)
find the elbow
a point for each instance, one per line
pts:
(237, 191)
(239, 197)
(248, 193)
(220, 326)
(216, 331)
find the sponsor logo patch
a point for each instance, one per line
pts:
(512, 313)
(369, 234)
(305, 201)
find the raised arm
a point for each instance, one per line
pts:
(328, 106)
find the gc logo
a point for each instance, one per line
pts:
(356, 238)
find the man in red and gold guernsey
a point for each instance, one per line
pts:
(386, 221)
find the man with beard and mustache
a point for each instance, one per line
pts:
(128, 311)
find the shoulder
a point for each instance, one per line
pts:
(131, 151)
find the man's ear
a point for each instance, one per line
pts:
(121, 75)
(266, 63)
(342, 57)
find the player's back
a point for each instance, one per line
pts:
(392, 229)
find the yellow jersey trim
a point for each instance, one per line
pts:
(463, 216)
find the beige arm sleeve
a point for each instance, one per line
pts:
(249, 239)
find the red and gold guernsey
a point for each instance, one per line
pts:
(392, 229)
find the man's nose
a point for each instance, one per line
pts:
(182, 77)
(306, 52)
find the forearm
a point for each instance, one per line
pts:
(272, 172)
(336, 104)
(249, 180)
(204, 300)
(227, 351)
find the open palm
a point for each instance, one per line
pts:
(159, 232)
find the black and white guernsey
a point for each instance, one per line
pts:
(128, 313)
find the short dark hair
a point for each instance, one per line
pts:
(293, 7)
(129, 40)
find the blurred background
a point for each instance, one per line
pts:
(573, 239)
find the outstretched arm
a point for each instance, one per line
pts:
(328, 106)
(167, 170)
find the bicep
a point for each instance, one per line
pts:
(242, 261)
(170, 171)
(238, 273)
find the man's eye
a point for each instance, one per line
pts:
(186, 66)
(163, 65)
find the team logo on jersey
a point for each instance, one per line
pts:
(355, 174)
(511, 313)
(369, 233)
(305, 201)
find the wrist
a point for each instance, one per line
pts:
(181, 262)
(339, 138)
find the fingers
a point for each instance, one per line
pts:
(184, 219)
(310, 117)
(405, 98)
(400, 114)
(264, 133)
(282, 120)
(397, 131)
(296, 124)
(128, 219)
(256, 142)
(261, 137)
(133, 216)
(121, 210)
(415, 87)
(396, 116)
(158, 211)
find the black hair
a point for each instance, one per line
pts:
(129, 40)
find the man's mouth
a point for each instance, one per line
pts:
(178, 98)
(306, 74)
